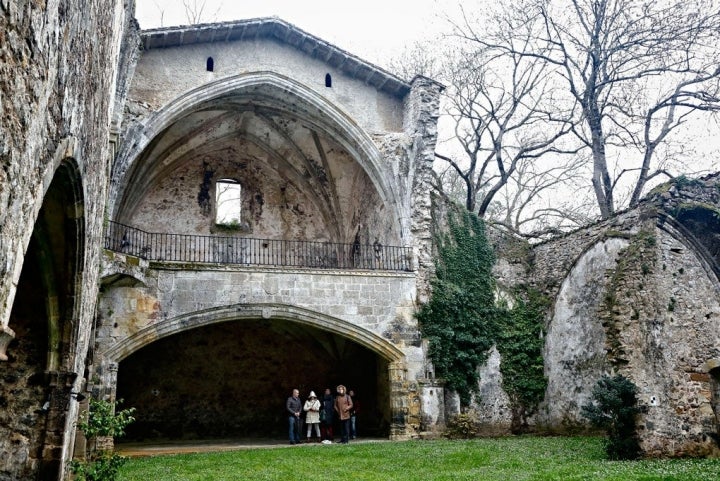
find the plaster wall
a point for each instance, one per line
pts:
(164, 74)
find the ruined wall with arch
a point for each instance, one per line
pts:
(59, 77)
(635, 295)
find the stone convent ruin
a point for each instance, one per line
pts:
(198, 219)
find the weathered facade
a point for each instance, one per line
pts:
(635, 295)
(118, 162)
(58, 75)
(330, 158)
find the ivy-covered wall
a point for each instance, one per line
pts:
(635, 295)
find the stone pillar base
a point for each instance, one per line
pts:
(6, 335)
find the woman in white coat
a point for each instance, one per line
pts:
(312, 416)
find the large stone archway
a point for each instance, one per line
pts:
(308, 142)
(226, 372)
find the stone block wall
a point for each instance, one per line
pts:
(58, 68)
(635, 295)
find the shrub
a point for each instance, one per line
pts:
(462, 426)
(614, 409)
(101, 421)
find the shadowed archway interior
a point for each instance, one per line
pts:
(232, 379)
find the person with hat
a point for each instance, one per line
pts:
(343, 407)
(312, 415)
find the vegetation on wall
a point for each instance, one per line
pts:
(520, 340)
(463, 320)
(634, 264)
(460, 320)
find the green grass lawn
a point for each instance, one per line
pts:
(505, 459)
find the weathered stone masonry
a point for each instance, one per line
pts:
(58, 71)
(327, 148)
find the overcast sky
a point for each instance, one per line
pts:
(371, 29)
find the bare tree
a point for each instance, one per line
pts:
(503, 112)
(638, 69)
(544, 198)
(195, 11)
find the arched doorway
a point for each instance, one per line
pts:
(231, 379)
(36, 390)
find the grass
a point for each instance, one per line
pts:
(514, 458)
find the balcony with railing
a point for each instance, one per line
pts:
(254, 252)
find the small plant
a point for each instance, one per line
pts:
(462, 426)
(101, 421)
(614, 408)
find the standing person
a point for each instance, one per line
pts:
(353, 414)
(327, 416)
(343, 406)
(293, 405)
(312, 415)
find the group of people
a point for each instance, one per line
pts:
(320, 415)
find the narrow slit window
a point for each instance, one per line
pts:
(228, 202)
(210, 64)
(328, 80)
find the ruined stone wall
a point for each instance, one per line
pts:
(57, 77)
(635, 295)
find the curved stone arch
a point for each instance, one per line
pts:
(675, 229)
(311, 107)
(239, 312)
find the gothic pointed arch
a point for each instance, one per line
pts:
(266, 96)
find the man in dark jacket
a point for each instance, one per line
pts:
(293, 405)
(327, 416)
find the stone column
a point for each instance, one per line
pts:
(397, 373)
(60, 384)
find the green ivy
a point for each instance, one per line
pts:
(460, 320)
(520, 342)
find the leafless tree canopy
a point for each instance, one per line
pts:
(638, 70)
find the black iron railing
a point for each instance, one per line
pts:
(259, 252)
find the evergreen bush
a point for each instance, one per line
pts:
(614, 409)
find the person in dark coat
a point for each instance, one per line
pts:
(293, 405)
(327, 415)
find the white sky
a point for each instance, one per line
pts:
(371, 29)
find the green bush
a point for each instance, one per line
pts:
(462, 426)
(614, 409)
(102, 420)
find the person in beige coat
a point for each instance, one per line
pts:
(312, 415)
(343, 406)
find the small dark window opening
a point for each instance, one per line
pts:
(328, 80)
(210, 64)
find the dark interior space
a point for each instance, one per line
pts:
(23, 389)
(704, 224)
(42, 297)
(232, 379)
